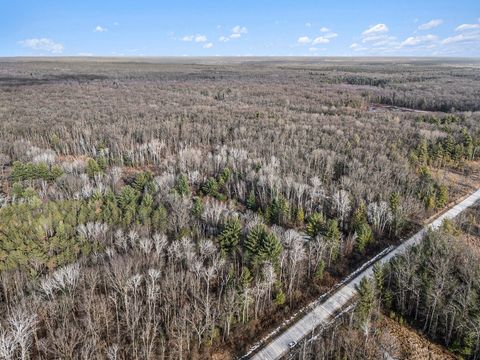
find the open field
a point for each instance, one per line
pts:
(182, 207)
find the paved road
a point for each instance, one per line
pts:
(323, 312)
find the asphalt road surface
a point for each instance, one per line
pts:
(323, 312)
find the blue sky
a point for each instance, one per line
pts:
(210, 28)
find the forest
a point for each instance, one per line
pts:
(181, 208)
(433, 288)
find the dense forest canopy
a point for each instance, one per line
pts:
(176, 208)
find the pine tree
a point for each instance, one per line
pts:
(366, 302)
(270, 247)
(197, 208)
(143, 182)
(422, 150)
(467, 144)
(280, 297)
(251, 200)
(246, 278)
(92, 168)
(252, 241)
(442, 196)
(261, 244)
(359, 216)
(333, 236)
(315, 224)
(181, 185)
(299, 216)
(211, 187)
(364, 237)
(230, 236)
(160, 219)
(320, 270)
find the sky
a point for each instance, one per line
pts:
(239, 28)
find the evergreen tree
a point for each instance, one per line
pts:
(442, 196)
(181, 185)
(366, 300)
(230, 236)
(315, 224)
(251, 200)
(359, 216)
(320, 270)
(299, 216)
(333, 236)
(364, 237)
(197, 208)
(92, 168)
(160, 219)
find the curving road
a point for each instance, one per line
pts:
(324, 311)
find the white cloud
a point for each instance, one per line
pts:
(98, 28)
(462, 38)
(208, 45)
(375, 30)
(43, 44)
(312, 49)
(377, 35)
(418, 40)
(85, 54)
(196, 38)
(308, 25)
(200, 38)
(357, 47)
(330, 35)
(116, 23)
(321, 40)
(239, 30)
(431, 24)
(324, 29)
(464, 27)
(223, 39)
(304, 40)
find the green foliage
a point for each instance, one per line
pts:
(92, 168)
(160, 219)
(262, 245)
(320, 270)
(31, 171)
(224, 176)
(442, 196)
(230, 236)
(278, 211)
(299, 216)
(144, 182)
(366, 300)
(450, 150)
(211, 187)
(364, 237)
(333, 236)
(280, 297)
(315, 224)
(181, 185)
(197, 208)
(251, 200)
(246, 278)
(359, 216)
(40, 237)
